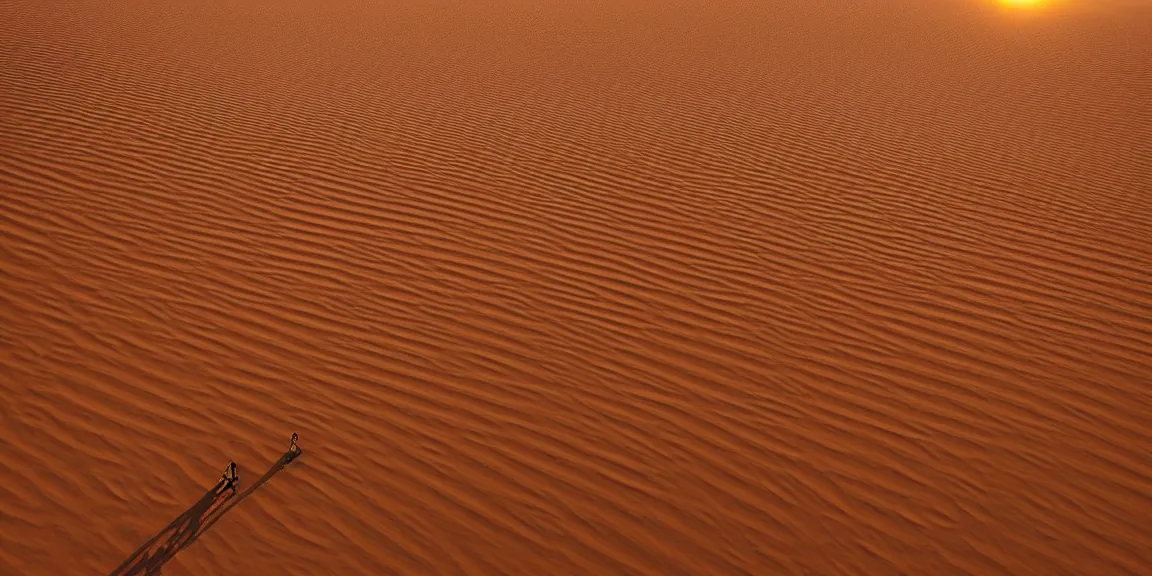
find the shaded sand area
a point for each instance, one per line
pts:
(577, 287)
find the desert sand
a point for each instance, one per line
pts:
(550, 287)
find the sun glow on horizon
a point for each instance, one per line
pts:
(1030, 7)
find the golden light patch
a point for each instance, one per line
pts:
(1030, 7)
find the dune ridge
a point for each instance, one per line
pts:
(578, 288)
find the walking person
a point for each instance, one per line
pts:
(230, 478)
(293, 449)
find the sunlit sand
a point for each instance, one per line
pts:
(552, 287)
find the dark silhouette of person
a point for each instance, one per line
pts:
(293, 449)
(230, 478)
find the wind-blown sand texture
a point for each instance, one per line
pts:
(594, 287)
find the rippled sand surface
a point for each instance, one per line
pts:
(590, 287)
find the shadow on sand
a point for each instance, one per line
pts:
(150, 558)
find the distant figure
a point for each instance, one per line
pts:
(230, 478)
(293, 449)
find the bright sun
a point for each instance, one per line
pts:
(1022, 3)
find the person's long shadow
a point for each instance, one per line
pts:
(150, 558)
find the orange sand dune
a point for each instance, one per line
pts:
(592, 287)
